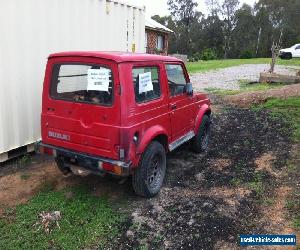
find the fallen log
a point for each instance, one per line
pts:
(277, 78)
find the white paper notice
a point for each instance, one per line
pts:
(98, 79)
(145, 82)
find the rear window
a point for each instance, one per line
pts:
(82, 83)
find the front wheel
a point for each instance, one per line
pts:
(201, 139)
(148, 178)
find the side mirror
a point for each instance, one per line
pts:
(189, 89)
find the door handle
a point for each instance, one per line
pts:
(173, 106)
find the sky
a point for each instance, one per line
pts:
(160, 7)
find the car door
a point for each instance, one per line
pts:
(180, 104)
(297, 51)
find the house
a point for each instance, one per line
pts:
(156, 37)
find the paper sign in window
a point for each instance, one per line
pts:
(98, 79)
(145, 82)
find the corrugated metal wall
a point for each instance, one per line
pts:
(32, 29)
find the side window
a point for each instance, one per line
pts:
(146, 83)
(176, 79)
(298, 47)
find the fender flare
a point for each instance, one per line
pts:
(149, 135)
(203, 110)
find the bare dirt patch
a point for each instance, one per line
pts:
(274, 213)
(18, 187)
(264, 163)
(220, 164)
(258, 97)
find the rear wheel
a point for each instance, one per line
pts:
(148, 178)
(201, 139)
(286, 56)
(62, 167)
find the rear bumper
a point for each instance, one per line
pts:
(93, 161)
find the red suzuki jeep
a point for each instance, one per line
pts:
(120, 113)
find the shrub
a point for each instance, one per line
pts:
(197, 56)
(246, 54)
(208, 54)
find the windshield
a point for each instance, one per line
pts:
(82, 83)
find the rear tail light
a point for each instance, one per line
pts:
(110, 168)
(47, 151)
(118, 170)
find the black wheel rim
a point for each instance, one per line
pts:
(205, 137)
(154, 172)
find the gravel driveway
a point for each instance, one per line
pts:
(229, 78)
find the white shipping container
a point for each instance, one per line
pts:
(32, 29)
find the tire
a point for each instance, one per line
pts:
(148, 178)
(286, 56)
(61, 166)
(201, 139)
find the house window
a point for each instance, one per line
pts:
(160, 42)
(146, 40)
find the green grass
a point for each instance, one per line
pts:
(257, 184)
(296, 222)
(203, 66)
(293, 205)
(86, 220)
(287, 109)
(24, 160)
(245, 87)
(222, 92)
(24, 176)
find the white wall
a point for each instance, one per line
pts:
(31, 30)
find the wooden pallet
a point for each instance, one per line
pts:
(17, 152)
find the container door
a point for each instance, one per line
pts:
(81, 109)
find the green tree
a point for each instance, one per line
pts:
(213, 6)
(229, 8)
(212, 34)
(184, 14)
(284, 19)
(230, 30)
(245, 32)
